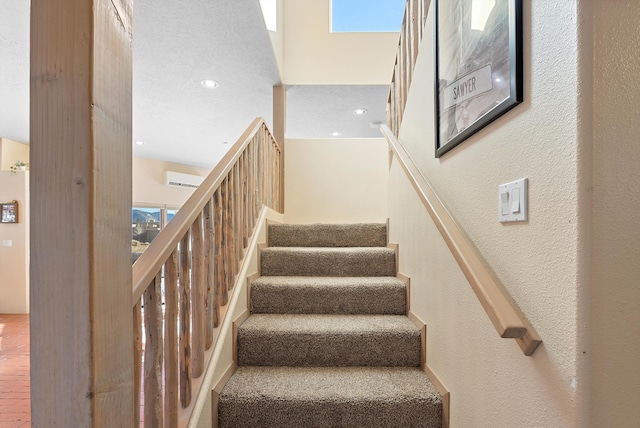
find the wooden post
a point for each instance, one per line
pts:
(81, 314)
(185, 321)
(218, 257)
(171, 353)
(153, 350)
(229, 224)
(197, 298)
(246, 229)
(137, 361)
(279, 128)
(209, 280)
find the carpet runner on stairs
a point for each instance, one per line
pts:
(328, 343)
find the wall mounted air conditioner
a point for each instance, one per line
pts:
(177, 179)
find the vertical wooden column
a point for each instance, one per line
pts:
(209, 243)
(184, 339)
(197, 298)
(171, 354)
(153, 350)
(81, 320)
(279, 127)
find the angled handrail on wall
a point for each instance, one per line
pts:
(504, 313)
(195, 260)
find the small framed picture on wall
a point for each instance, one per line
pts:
(9, 212)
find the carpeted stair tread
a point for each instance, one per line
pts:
(328, 235)
(324, 261)
(328, 295)
(332, 396)
(328, 340)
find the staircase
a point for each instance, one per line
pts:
(328, 342)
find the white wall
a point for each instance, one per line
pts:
(148, 183)
(313, 55)
(14, 259)
(336, 180)
(12, 151)
(615, 290)
(277, 37)
(540, 261)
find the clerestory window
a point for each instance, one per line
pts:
(351, 16)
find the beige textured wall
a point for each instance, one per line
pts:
(14, 259)
(335, 58)
(148, 183)
(615, 292)
(12, 151)
(336, 180)
(539, 261)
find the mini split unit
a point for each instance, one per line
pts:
(177, 179)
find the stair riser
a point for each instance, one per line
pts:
(366, 262)
(323, 235)
(328, 300)
(308, 350)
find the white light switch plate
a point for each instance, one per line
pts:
(512, 201)
(7, 243)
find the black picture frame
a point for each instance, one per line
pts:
(9, 212)
(478, 66)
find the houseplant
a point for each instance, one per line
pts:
(19, 166)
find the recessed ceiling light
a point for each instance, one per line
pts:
(140, 143)
(336, 134)
(210, 84)
(360, 111)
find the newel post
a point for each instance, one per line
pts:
(81, 327)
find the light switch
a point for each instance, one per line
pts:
(512, 201)
(7, 243)
(504, 203)
(515, 200)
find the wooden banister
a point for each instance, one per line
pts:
(154, 257)
(504, 313)
(415, 17)
(195, 260)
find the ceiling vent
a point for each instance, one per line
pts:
(177, 179)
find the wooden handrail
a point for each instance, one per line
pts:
(154, 257)
(195, 260)
(504, 313)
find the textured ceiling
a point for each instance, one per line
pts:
(177, 44)
(317, 111)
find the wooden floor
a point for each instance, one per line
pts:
(15, 409)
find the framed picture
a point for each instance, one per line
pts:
(9, 212)
(478, 66)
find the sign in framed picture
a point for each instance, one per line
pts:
(478, 66)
